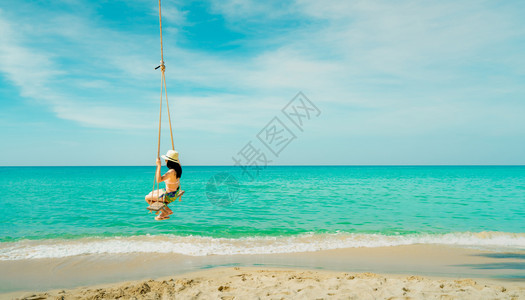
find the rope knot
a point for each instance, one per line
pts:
(161, 66)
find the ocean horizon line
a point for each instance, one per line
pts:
(269, 166)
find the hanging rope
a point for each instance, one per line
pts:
(161, 50)
(168, 106)
(164, 91)
(163, 83)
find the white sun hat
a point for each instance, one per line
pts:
(171, 155)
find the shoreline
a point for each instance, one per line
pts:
(266, 283)
(437, 261)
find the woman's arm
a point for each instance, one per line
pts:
(157, 172)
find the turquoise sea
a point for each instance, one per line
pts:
(67, 211)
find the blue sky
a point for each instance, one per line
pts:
(397, 82)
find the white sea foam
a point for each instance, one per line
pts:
(199, 246)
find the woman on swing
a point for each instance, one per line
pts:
(172, 181)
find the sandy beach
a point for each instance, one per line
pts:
(417, 271)
(265, 283)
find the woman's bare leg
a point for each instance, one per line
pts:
(154, 196)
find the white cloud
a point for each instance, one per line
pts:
(172, 14)
(39, 76)
(412, 62)
(24, 68)
(387, 57)
(249, 10)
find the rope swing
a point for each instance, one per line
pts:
(163, 91)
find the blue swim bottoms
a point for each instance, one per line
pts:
(171, 196)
